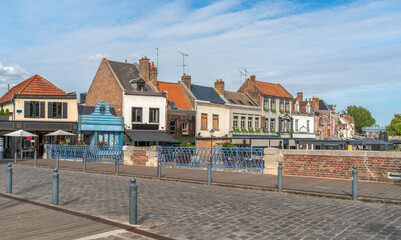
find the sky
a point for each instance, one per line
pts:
(345, 52)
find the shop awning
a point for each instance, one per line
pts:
(149, 136)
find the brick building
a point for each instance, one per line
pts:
(181, 116)
(131, 89)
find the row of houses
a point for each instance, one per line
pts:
(126, 104)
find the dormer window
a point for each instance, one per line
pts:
(138, 84)
(297, 106)
(141, 87)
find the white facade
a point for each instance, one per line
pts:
(146, 103)
(303, 125)
(210, 111)
(347, 129)
(244, 117)
(272, 109)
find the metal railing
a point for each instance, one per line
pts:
(234, 159)
(104, 154)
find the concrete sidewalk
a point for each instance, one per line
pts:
(368, 191)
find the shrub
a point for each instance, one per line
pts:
(186, 143)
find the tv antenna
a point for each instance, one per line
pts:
(243, 72)
(157, 58)
(183, 61)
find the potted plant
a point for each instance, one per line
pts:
(287, 111)
(250, 130)
(62, 142)
(80, 143)
(281, 111)
(266, 109)
(244, 130)
(272, 130)
(257, 130)
(273, 110)
(265, 130)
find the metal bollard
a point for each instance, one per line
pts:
(9, 184)
(57, 160)
(35, 158)
(15, 157)
(22, 154)
(133, 202)
(117, 166)
(55, 187)
(159, 169)
(280, 177)
(84, 163)
(209, 172)
(354, 183)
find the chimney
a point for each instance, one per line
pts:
(186, 79)
(153, 74)
(315, 102)
(219, 85)
(299, 96)
(144, 68)
(253, 78)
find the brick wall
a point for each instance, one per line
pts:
(140, 156)
(372, 165)
(105, 88)
(250, 88)
(205, 142)
(179, 118)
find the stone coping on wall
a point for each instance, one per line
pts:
(342, 153)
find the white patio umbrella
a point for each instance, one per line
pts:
(20, 133)
(60, 133)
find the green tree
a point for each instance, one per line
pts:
(395, 126)
(7, 112)
(2, 111)
(361, 115)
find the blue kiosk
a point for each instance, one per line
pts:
(100, 123)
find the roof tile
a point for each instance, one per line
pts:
(35, 85)
(273, 89)
(175, 94)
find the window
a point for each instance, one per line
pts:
(273, 104)
(153, 115)
(281, 105)
(249, 122)
(185, 128)
(287, 106)
(136, 114)
(34, 109)
(265, 102)
(287, 125)
(297, 106)
(307, 125)
(172, 127)
(272, 124)
(242, 122)
(235, 121)
(204, 121)
(296, 125)
(55, 109)
(216, 122)
(256, 122)
(267, 123)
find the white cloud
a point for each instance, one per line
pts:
(12, 72)
(98, 57)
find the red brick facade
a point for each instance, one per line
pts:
(139, 158)
(105, 88)
(374, 166)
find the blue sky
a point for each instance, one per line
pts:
(345, 52)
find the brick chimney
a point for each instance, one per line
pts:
(315, 102)
(144, 68)
(219, 85)
(253, 78)
(153, 74)
(186, 79)
(299, 96)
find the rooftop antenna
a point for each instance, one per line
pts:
(157, 58)
(243, 71)
(183, 61)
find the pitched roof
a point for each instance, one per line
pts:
(206, 94)
(349, 119)
(323, 106)
(272, 89)
(35, 85)
(239, 98)
(175, 95)
(125, 72)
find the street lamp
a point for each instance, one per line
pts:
(209, 164)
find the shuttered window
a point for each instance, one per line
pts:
(57, 110)
(204, 121)
(34, 109)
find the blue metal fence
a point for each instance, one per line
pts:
(235, 159)
(106, 154)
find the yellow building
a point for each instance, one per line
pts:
(37, 106)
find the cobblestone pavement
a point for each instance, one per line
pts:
(320, 186)
(193, 211)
